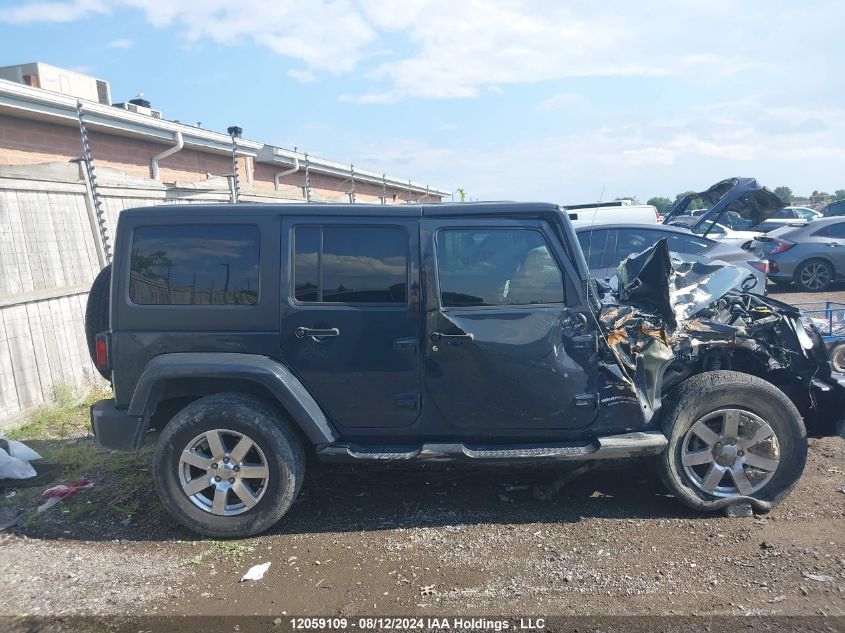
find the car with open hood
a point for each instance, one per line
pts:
(738, 209)
(255, 336)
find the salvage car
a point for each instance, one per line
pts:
(252, 336)
(738, 210)
(810, 255)
(605, 246)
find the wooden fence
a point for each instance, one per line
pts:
(50, 254)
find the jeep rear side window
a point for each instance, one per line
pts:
(351, 265)
(496, 267)
(215, 264)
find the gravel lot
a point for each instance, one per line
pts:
(425, 540)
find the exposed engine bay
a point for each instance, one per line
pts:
(670, 320)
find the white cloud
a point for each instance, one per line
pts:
(768, 65)
(464, 49)
(328, 35)
(302, 76)
(646, 159)
(52, 11)
(559, 101)
(121, 43)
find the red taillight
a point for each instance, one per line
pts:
(781, 246)
(762, 265)
(101, 346)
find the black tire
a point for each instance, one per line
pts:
(710, 392)
(97, 313)
(249, 416)
(822, 278)
(837, 356)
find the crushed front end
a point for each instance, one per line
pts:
(669, 320)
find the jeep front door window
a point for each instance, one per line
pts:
(498, 267)
(499, 333)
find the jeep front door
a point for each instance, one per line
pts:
(350, 322)
(504, 351)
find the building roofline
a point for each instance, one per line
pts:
(37, 103)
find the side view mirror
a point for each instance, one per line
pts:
(749, 283)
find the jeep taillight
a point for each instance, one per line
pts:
(103, 351)
(781, 246)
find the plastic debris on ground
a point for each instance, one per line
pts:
(14, 459)
(54, 495)
(256, 572)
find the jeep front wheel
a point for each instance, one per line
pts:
(732, 436)
(228, 465)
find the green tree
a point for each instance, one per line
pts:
(661, 204)
(695, 204)
(839, 194)
(462, 193)
(784, 193)
(143, 263)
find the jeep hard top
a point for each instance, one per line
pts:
(250, 335)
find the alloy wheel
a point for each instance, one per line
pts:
(815, 276)
(730, 452)
(223, 472)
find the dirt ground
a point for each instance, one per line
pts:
(425, 540)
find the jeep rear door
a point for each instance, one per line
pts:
(505, 347)
(350, 322)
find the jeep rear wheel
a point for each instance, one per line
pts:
(97, 313)
(228, 465)
(731, 436)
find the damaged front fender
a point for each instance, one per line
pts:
(670, 320)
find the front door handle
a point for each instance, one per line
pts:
(302, 332)
(455, 339)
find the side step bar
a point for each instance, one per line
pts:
(609, 447)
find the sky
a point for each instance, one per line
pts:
(560, 101)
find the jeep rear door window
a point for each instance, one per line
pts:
(351, 265)
(213, 264)
(495, 267)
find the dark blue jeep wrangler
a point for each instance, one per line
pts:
(250, 335)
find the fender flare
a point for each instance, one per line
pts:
(263, 370)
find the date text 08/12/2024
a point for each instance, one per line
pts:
(417, 623)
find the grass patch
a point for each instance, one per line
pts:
(235, 551)
(122, 495)
(66, 415)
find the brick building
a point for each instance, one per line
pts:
(38, 124)
(53, 218)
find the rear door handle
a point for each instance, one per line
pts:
(302, 332)
(455, 339)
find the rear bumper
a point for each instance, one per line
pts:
(780, 276)
(115, 428)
